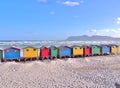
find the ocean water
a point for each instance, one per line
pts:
(38, 44)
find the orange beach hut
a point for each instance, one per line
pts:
(30, 52)
(77, 50)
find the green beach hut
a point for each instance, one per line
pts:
(95, 50)
(53, 51)
(1, 54)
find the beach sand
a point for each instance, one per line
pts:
(88, 72)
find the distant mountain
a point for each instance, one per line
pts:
(92, 38)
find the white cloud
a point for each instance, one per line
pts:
(118, 20)
(71, 3)
(42, 0)
(106, 32)
(52, 13)
(65, 2)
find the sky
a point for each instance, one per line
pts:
(58, 19)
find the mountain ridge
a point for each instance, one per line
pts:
(93, 38)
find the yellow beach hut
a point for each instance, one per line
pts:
(30, 52)
(77, 50)
(114, 49)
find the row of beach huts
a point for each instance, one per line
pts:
(14, 53)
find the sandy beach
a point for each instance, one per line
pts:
(59, 44)
(89, 72)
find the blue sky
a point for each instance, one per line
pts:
(58, 19)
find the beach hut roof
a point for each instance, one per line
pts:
(52, 47)
(30, 47)
(86, 45)
(13, 47)
(102, 45)
(44, 47)
(95, 45)
(76, 46)
(112, 45)
(64, 46)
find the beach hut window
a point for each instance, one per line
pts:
(54, 49)
(16, 50)
(8, 50)
(27, 50)
(75, 48)
(34, 49)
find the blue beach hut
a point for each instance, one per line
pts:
(105, 49)
(12, 53)
(64, 51)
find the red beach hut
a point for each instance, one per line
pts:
(44, 52)
(86, 50)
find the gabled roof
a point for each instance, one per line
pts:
(52, 47)
(64, 46)
(104, 45)
(43, 47)
(12, 47)
(76, 46)
(86, 46)
(95, 45)
(113, 45)
(30, 47)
